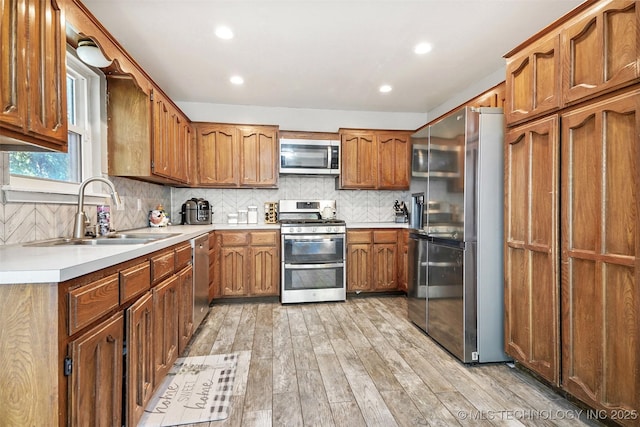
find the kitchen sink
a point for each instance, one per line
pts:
(113, 239)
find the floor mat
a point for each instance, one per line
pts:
(196, 389)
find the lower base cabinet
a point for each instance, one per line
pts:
(247, 263)
(373, 260)
(144, 306)
(95, 389)
(139, 359)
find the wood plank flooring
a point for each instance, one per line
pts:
(363, 363)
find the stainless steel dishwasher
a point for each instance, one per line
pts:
(200, 249)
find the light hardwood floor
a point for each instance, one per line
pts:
(363, 363)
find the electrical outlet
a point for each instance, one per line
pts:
(139, 205)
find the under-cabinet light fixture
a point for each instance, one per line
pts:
(91, 54)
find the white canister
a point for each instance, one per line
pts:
(242, 216)
(252, 214)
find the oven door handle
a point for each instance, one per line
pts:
(314, 237)
(312, 266)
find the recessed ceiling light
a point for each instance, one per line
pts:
(385, 88)
(236, 80)
(422, 48)
(224, 33)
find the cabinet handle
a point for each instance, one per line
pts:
(110, 338)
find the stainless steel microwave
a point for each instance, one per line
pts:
(309, 156)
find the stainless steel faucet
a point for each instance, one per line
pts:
(81, 218)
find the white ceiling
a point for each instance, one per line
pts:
(323, 54)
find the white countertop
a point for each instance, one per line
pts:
(377, 225)
(21, 263)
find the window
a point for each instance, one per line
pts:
(50, 173)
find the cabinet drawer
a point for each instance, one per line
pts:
(235, 238)
(90, 302)
(385, 236)
(264, 238)
(134, 281)
(183, 256)
(162, 265)
(358, 237)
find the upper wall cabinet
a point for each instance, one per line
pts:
(231, 156)
(148, 137)
(600, 49)
(33, 111)
(375, 159)
(533, 80)
(394, 165)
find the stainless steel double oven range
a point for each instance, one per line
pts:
(313, 251)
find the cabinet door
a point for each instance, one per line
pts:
(185, 315)
(139, 386)
(165, 330)
(359, 163)
(95, 388)
(601, 50)
(359, 266)
(600, 294)
(265, 270)
(234, 264)
(181, 154)
(218, 155)
(394, 152)
(530, 269)
(13, 65)
(47, 72)
(162, 136)
(33, 64)
(533, 80)
(385, 263)
(403, 260)
(259, 153)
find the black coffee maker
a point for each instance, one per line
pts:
(196, 211)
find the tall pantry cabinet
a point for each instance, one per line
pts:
(572, 299)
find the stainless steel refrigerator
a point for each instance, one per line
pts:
(458, 256)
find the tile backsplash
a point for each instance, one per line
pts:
(26, 222)
(352, 205)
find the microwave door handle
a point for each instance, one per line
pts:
(329, 157)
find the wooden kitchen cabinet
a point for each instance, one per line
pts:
(166, 326)
(372, 260)
(385, 260)
(600, 245)
(394, 153)
(359, 261)
(95, 391)
(185, 313)
(600, 49)
(531, 271)
(139, 358)
(214, 281)
(33, 75)
(259, 156)
(231, 156)
(359, 159)
(375, 159)
(148, 138)
(264, 273)
(403, 260)
(248, 263)
(533, 80)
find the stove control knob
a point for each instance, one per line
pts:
(314, 229)
(329, 229)
(298, 229)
